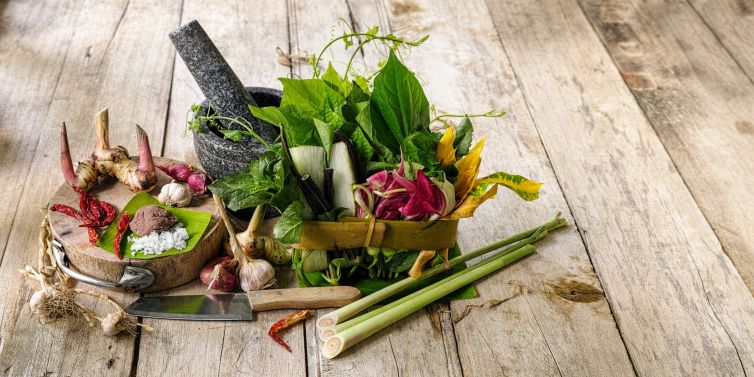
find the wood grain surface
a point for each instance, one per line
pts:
(637, 115)
(679, 303)
(111, 60)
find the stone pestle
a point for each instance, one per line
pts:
(216, 79)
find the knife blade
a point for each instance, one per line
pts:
(240, 306)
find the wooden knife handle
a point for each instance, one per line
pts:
(303, 298)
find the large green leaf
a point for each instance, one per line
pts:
(195, 222)
(400, 99)
(314, 98)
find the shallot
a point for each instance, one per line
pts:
(219, 274)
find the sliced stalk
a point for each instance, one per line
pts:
(344, 177)
(309, 159)
(351, 336)
(337, 316)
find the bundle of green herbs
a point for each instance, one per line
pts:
(366, 146)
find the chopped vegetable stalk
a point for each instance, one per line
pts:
(351, 336)
(530, 236)
(344, 177)
(309, 159)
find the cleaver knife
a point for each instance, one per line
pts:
(241, 306)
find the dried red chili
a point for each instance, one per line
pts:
(67, 211)
(125, 219)
(285, 323)
(94, 214)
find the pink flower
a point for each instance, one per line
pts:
(426, 201)
(400, 198)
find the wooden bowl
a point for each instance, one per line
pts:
(169, 271)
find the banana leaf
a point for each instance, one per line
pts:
(195, 222)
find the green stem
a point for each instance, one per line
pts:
(489, 114)
(248, 127)
(354, 321)
(333, 318)
(349, 337)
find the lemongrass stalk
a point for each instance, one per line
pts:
(343, 340)
(354, 321)
(337, 316)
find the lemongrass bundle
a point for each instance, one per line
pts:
(345, 339)
(329, 320)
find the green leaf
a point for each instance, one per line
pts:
(336, 82)
(300, 129)
(195, 222)
(290, 226)
(377, 131)
(254, 186)
(522, 186)
(463, 137)
(325, 132)
(270, 114)
(419, 147)
(400, 99)
(234, 135)
(289, 193)
(314, 98)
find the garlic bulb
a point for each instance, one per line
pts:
(256, 274)
(175, 194)
(115, 323)
(39, 299)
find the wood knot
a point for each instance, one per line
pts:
(576, 291)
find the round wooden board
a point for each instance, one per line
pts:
(169, 271)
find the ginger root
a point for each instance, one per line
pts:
(115, 161)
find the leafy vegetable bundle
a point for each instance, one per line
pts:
(364, 147)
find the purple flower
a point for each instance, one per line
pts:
(396, 197)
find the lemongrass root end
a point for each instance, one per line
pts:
(332, 347)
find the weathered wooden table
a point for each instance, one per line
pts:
(639, 116)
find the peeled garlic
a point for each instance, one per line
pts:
(175, 194)
(256, 274)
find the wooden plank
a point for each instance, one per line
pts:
(544, 331)
(30, 32)
(391, 352)
(700, 103)
(102, 68)
(246, 33)
(681, 306)
(732, 21)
